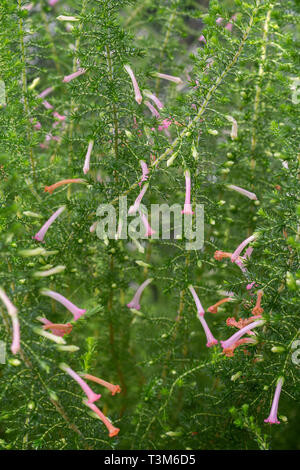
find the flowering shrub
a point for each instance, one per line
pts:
(165, 102)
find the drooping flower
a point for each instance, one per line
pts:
(39, 236)
(154, 98)
(67, 18)
(47, 105)
(135, 207)
(165, 124)
(272, 418)
(153, 110)
(135, 303)
(86, 166)
(13, 313)
(77, 312)
(214, 308)
(58, 329)
(113, 388)
(51, 188)
(234, 128)
(92, 396)
(230, 341)
(145, 171)
(93, 226)
(171, 78)
(211, 340)
(249, 286)
(202, 39)
(242, 191)
(219, 255)
(219, 20)
(113, 431)
(137, 93)
(46, 92)
(200, 309)
(73, 75)
(248, 252)
(240, 248)
(58, 116)
(50, 272)
(229, 352)
(229, 26)
(187, 204)
(148, 230)
(257, 310)
(52, 2)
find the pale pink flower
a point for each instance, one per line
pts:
(77, 312)
(13, 313)
(39, 236)
(230, 341)
(154, 98)
(171, 78)
(47, 105)
(249, 286)
(145, 171)
(240, 248)
(70, 77)
(272, 418)
(153, 110)
(58, 329)
(93, 226)
(86, 166)
(248, 252)
(211, 340)
(111, 387)
(148, 229)
(229, 27)
(52, 2)
(58, 116)
(135, 207)
(165, 124)
(200, 309)
(92, 396)
(219, 20)
(113, 431)
(187, 204)
(46, 92)
(137, 93)
(202, 39)
(135, 302)
(242, 191)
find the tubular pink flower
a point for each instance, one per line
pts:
(187, 204)
(111, 387)
(258, 310)
(153, 110)
(113, 431)
(135, 207)
(229, 352)
(272, 418)
(46, 92)
(58, 329)
(137, 93)
(249, 286)
(154, 98)
(51, 188)
(202, 39)
(86, 166)
(93, 226)
(47, 105)
(92, 396)
(219, 20)
(229, 27)
(149, 230)
(230, 341)
(240, 248)
(58, 116)
(243, 191)
(52, 2)
(77, 312)
(135, 303)
(145, 171)
(211, 340)
(165, 124)
(39, 236)
(70, 77)
(171, 78)
(200, 309)
(13, 313)
(248, 253)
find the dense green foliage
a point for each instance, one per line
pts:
(176, 392)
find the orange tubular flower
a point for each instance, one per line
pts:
(257, 310)
(113, 431)
(219, 255)
(214, 308)
(65, 328)
(51, 188)
(229, 352)
(113, 388)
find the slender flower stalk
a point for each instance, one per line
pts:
(135, 302)
(257, 310)
(137, 93)
(51, 188)
(171, 78)
(77, 312)
(214, 308)
(242, 191)
(272, 418)
(92, 396)
(113, 431)
(148, 230)
(70, 77)
(86, 166)
(229, 342)
(111, 387)
(153, 110)
(211, 340)
(39, 236)
(145, 171)
(58, 329)
(135, 207)
(13, 313)
(200, 309)
(187, 204)
(240, 248)
(153, 98)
